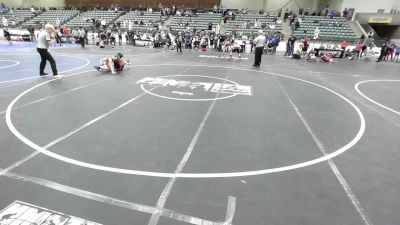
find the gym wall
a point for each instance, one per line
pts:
(271, 5)
(370, 6)
(38, 3)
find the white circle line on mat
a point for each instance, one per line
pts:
(36, 77)
(15, 63)
(192, 175)
(357, 87)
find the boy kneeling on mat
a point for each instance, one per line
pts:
(114, 64)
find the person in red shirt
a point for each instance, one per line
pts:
(306, 44)
(358, 49)
(343, 45)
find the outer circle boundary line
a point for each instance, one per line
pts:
(6, 60)
(357, 87)
(34, 77)
(190, 175)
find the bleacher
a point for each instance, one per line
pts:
(199, 22)
(51, 17)
(18, 16)
(135, 17)
(335, 29)
(84, 19)
(245, 23)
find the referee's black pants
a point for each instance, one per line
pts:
(82, 41)
(46, 56)
(258, 54)
(179, 46)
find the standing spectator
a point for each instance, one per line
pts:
(316, 33)
(259, 42)
(275, 42)
(103, 23)
(44, 40)
(290, 45)
(358, 49)
(119, 37)
(296, 25)
(5, 21)
(383, 52)
(343, 46)
(390, 51)
(301, 11)
(345, 13)
(33, 11)
(397, 53)
(7, 35)
(58, 22)
(306, 44)
(81, 36)
(179, 40)
(307, 12)
(31, 31)
(58, 37)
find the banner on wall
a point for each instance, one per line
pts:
(380, 19)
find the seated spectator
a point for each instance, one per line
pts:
(311, 57)
(3, 9)
(326, 57)
(369, 53)
(350, 54)
(33, 11)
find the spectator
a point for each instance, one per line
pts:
(3, 9)
(343, 45)
(383, 52)
(5, 21)
(82, 35)
(397, 53)
(290, 45)
(345, 12)
(296, 25)
(306, 44)
(33, 11)
(103, 23)
(7, 35)
(358, 49)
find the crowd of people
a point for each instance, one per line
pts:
(158, 36)
(327, 52)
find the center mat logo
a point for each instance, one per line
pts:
(184, 86)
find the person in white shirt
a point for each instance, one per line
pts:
(81, 36)
(5, 22)
(259, 42)
(43, 42)
(103, 23)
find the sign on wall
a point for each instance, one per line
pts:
(380, 19)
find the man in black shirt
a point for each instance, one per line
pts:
(290, 45)
(7, 35)
(383, 52)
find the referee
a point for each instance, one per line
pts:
(43, 41)
(259, 41)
